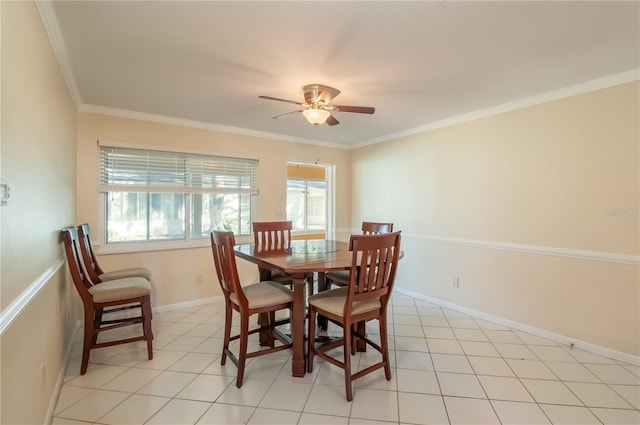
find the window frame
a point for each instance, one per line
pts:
(169, 244)
(329, 179)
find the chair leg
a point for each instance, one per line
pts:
(348, 335)
(354, 329)
(242, 352)
(96, 324)
(265, 336)
(310, 284)
(272, 323)
(146, 325)
(228, 317)
(311, 338)
(323, 323)
(87, 341)
(384, 345)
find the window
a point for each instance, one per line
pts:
(156, 195)
(307, 198)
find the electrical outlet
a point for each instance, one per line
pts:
(455, 282)
(199, 279)
(4, 193)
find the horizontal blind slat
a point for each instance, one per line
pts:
(171, 189)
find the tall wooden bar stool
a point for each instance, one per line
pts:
(372, 275)
(100, 298)
(273, 235)
(263, 297)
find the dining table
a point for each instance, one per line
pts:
(302, 259)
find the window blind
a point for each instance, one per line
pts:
(139, 170)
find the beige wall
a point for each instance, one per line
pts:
(542, 178)
(38, 159)
(174, 272)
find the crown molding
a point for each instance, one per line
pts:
(50, 23)
(163, 119)
(576, 89)
(49, 20)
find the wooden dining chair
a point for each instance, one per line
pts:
(372, 275)
(100, 299)
(341, 278)
(95, 272)
(273, 235)
(262, 297)
(268, 235)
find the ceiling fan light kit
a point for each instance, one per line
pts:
(317, 109)
(316, 116)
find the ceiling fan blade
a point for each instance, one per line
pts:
(282, 100)
(332, 120)
(358, 109)
(287, 113)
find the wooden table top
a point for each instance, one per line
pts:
(304, 256)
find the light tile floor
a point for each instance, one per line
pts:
(448, 368)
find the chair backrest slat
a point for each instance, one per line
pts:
(272, 234)
(224, 258)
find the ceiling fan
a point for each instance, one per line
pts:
(317, 108)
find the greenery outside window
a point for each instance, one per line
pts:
(155, 195)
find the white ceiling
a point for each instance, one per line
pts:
(416, 62)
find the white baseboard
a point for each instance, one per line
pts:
(561, 339)
(55, 395)
(186, 304)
